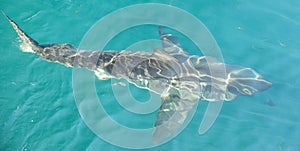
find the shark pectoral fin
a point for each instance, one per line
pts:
(170, 43)
(172, 115)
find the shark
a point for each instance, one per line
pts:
(181, 80)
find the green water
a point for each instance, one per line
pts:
(37, 107)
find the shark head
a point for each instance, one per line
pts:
(245, 81)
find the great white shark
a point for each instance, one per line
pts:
(179, 78)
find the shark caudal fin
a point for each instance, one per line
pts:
(28, 44)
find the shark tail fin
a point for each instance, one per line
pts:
(28, 44)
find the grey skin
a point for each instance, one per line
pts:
(180, 79)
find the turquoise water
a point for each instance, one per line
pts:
(38, 111)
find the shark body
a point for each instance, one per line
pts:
(179, 78)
